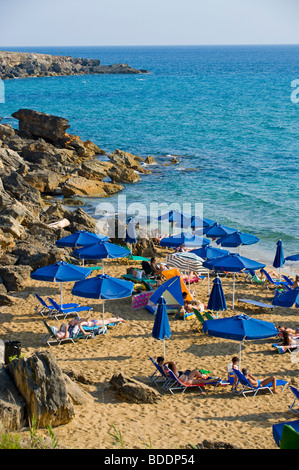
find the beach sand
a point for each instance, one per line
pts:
(177, 420)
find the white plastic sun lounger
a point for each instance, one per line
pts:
(255, 303)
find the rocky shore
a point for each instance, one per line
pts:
(23, 64)
(39, 161)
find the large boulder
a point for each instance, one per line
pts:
(121, 174)
(132, 390)
(12, 404)
(43, 125)
(93, 169)
(43, 386)
(45, 180)
(15, 278)
(80, 186)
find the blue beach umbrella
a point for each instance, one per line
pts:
(198, 222)
(239, 328)
(161, 328)
(233, 262)
(209, 252)
(177, 218)
(217, 230)
(101, 250)
(237, 238)
(185, 238)
(80, 238)
(279, 257)
(61, 272)
(292, 258)
(131, 236)
(103, 287)
(217, 300)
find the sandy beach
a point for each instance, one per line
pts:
(178, 419)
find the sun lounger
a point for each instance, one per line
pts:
(51, 338)
(49, 310)
(288, 280)
(283, 349)
(271, 281)
(176, 384)
(67, 311)
(200, 318)
(293, 408)
(248, 388)
(255, 303)
(158, 374)
(130, 277)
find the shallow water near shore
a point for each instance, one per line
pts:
(223, 111)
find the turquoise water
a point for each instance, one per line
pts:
(225, 111)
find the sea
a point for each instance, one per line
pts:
(229, 114)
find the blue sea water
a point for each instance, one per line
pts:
(225, 111)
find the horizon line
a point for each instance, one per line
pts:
(159, 45)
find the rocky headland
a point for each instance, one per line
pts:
(39, 161)
(25, 64)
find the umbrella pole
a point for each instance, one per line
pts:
(103, 312)
(164, 347)
(61, 294)
(102, 266)
(240, 355)
(208, 282)
(233, 291)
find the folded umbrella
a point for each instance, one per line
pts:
(161, 328)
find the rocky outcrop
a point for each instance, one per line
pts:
(23, 64)
(40, 160)
(133, 391)
(40, 390)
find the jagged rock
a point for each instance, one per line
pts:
(119, 157)
(76, 394)
(122, 174)
(12, 161)
(42, 125)
(149, 160)
(17, 187)
(43, 387)
(37, 250)
(93, 169)
(12, 404)
(144, 247)
(46, 181)
(133, 391)
(15, 277)
(11, 226)
(79, 186)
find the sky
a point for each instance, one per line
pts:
(147, 22)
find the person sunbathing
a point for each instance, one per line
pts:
(77, 324)
(259, 383)
(107, 321)
(188, 376)
(291, 331)
(296, 282)
(189, 304)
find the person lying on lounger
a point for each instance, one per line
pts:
(188, 376)
(71, 330)
(260, 383)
